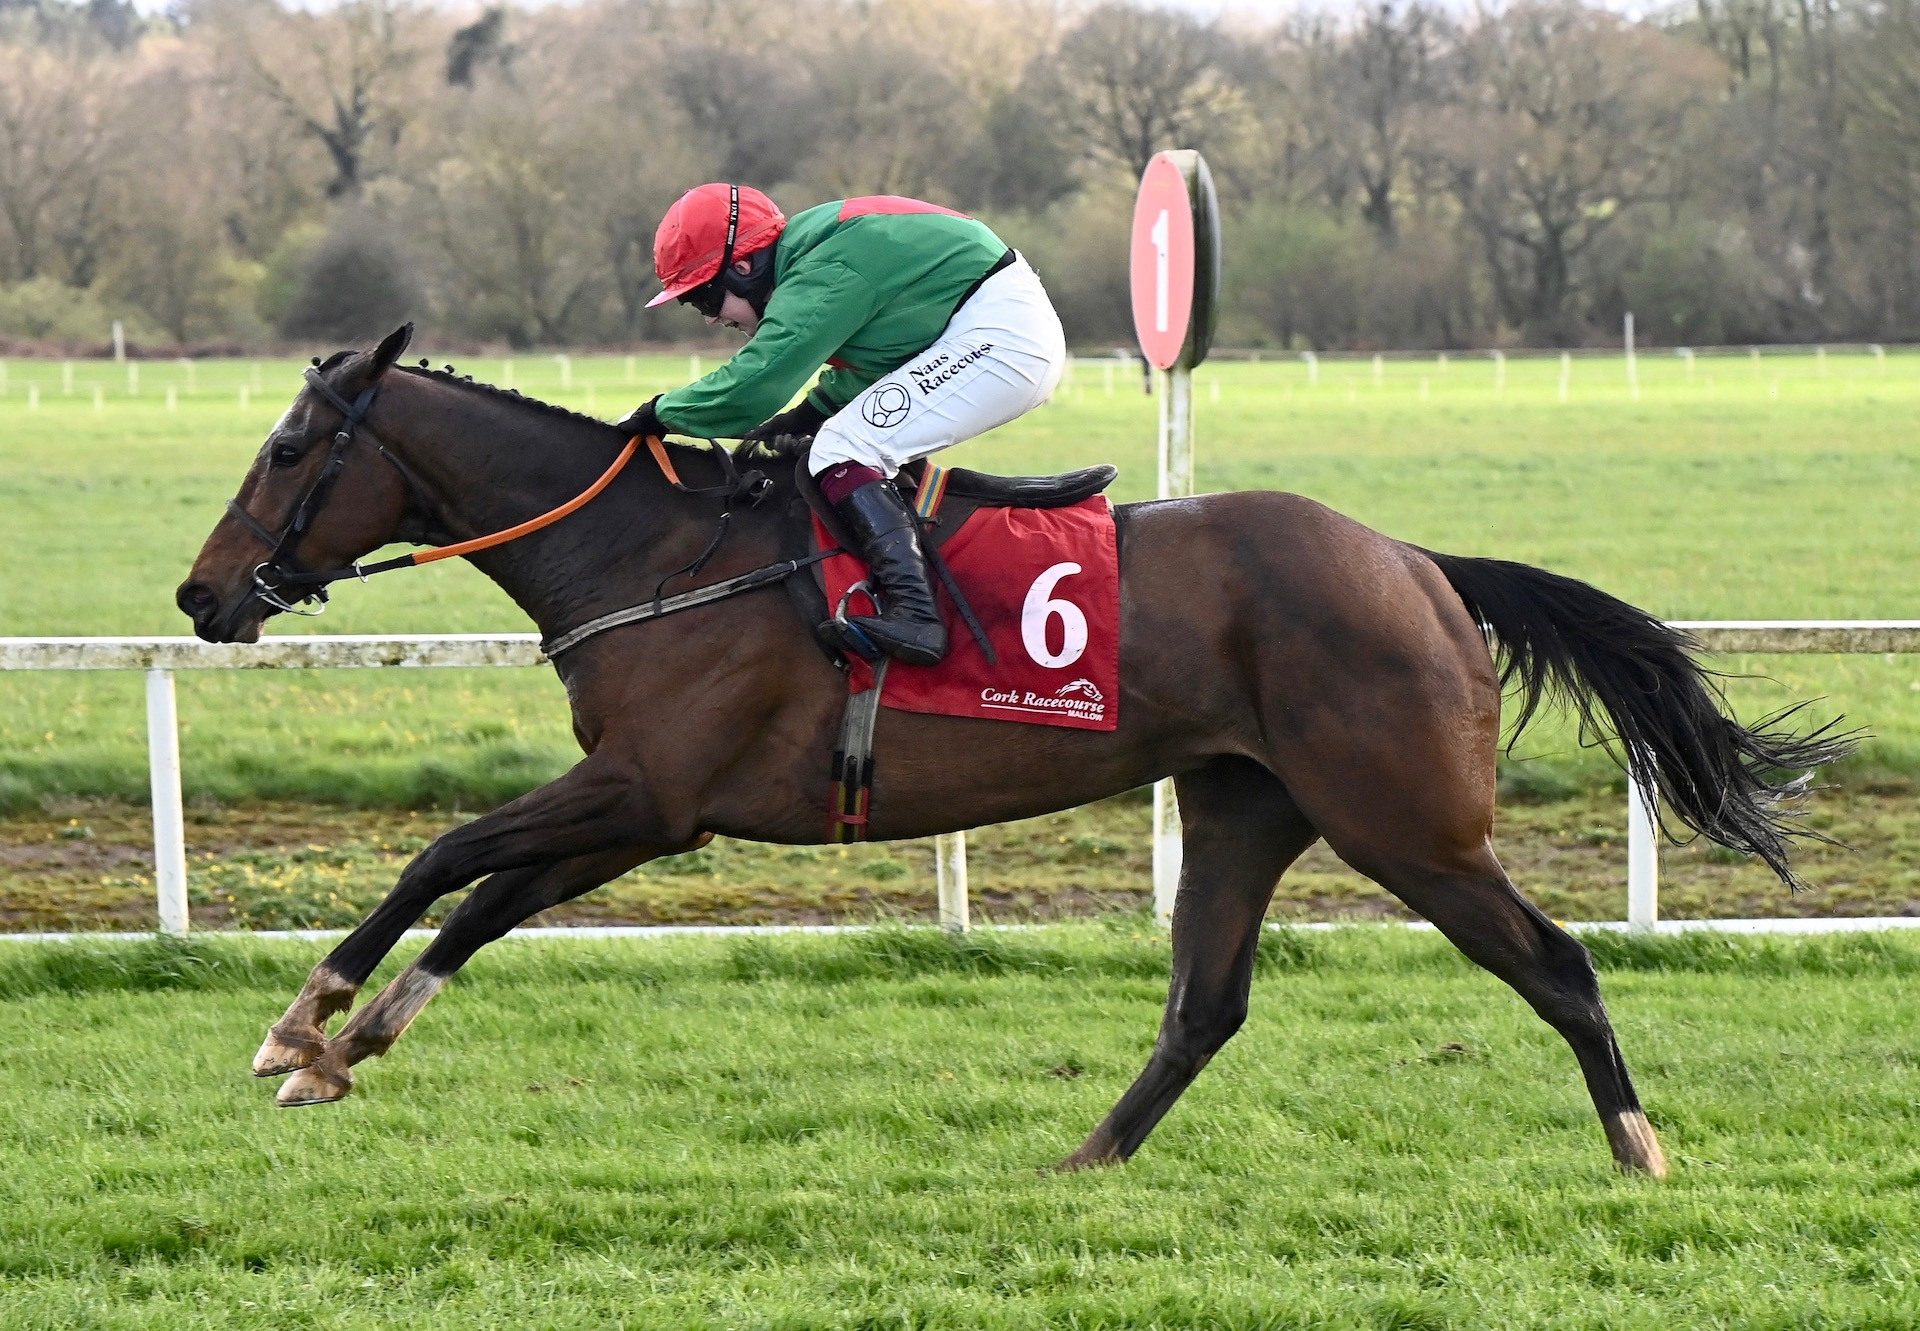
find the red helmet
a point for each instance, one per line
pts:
(702, 231)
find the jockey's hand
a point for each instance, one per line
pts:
(801, 422)
(643, 421)
(781, 446)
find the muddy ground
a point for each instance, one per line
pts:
(89, 866)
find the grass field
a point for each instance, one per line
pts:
(849, 1132)
(1735, 488)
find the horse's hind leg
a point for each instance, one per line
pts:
(1476, 907)
(496, 906)
(1240, 831)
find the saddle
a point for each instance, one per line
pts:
(957, 494)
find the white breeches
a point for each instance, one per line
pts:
(999, 357)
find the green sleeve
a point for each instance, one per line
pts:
(809, 317)
(839, 386)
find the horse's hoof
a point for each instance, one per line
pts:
(314, 1086)
(1080, 1160)
(286, 1053)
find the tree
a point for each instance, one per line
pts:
(357, 282)
(74, 25)
(542, 225)
(1288, 154)
(174, 259)
(1380, 86)
(1300, 274)
(755, 116)
(481, 42)
(1400, 172)
(891, 120)
(59, 143)
(1016, 160)
(1882, 82)
(1130, 82)
(1783, 145)
(1566, 119)
(346, 79)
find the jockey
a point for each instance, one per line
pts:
(932, 331)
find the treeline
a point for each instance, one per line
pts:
(240, 173)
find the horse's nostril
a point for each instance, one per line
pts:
(196, 596)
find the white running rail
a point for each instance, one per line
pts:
(160, 657)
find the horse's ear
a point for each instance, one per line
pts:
(389, 350)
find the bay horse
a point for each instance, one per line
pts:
(1298, 675)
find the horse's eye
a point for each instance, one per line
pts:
(285, 455)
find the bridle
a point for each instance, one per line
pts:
(283, 583)
(279, 575)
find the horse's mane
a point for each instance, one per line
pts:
(449, 375)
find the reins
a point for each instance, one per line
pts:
(288, 574)
(281, 582)
(752, 486)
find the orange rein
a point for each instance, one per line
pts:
(545, 519)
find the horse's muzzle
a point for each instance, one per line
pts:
(202, 605)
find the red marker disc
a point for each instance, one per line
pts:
(1162, 261)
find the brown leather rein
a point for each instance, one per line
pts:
(280, 577)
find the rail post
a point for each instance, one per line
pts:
(950, 877)
(169, 820)
(1643, 860)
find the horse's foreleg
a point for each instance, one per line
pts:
(1240, 831)
(595, 807)
(493, 908)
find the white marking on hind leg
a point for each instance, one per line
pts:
(377, 1025)
(400, 1002)
(1635, 1147)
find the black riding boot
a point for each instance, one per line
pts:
(909, 627)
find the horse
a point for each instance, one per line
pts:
(1299, 676)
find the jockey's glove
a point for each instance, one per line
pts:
(643, 421)
(801, 422)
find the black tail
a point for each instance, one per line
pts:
(1561, 639)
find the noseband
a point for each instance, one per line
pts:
(281, 580)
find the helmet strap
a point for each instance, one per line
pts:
(733, 229)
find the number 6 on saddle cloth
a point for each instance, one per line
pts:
(1044, 586)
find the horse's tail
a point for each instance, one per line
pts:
(1563, 640)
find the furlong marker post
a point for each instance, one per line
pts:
(1174, 265)
(1176, 481)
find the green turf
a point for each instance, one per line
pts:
(1776, 489)
(847, 1132)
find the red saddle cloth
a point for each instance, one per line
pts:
(1045, 585)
